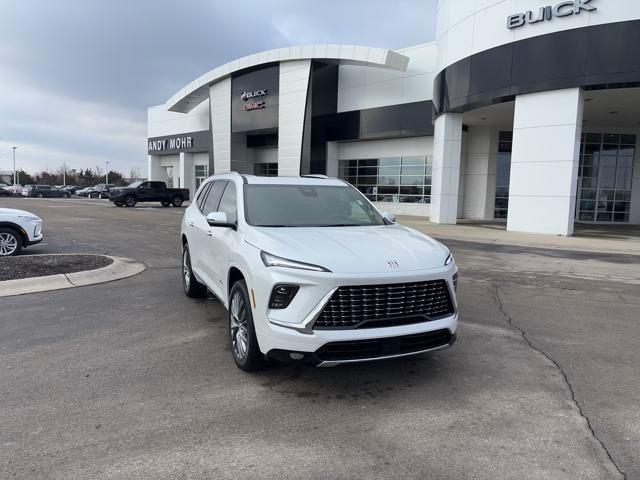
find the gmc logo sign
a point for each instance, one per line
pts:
(563, 9)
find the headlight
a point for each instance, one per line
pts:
(30, 218)
(274, 261)
(449, 260)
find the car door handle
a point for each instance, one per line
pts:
(210, 232)
(191, 224)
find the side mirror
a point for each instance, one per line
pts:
(390, 217)
(219, 219)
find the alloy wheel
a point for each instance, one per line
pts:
(186, 269)
(8, 244)
(238, 323)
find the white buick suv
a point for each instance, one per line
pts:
(310, 271)
(18, 230)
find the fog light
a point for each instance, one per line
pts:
(281, 296)
(296, 356)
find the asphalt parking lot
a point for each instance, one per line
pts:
(132, 379)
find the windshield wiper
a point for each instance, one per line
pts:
(341, 225)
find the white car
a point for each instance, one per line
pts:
(310, 271)
(18, 229)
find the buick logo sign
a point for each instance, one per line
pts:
(256, 93)
(562, 9)
(393, 264)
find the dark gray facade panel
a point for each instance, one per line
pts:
(255, 99)
(192, 142)
(592, 57)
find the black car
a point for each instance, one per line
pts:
(4, 192)
(101, 190)
(41, 191)
(148, 192)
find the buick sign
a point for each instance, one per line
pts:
(256, 93)
(562, 9)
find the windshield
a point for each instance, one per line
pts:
(307, 206)
(135, 184)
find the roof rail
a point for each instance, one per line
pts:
(314, 175)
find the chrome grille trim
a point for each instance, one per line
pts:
(372, 306)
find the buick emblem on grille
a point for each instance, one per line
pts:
(393, 264)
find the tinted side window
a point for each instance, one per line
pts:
(203, 195)
(158, 185)
(228, 203)
(213, 198)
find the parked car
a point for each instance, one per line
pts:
(5, 192)
(100, 191)
(18, 229)
(15, 189)
(83, 192)
(41, 191)
(311, 271)
(25, 190)
(72, 189)
(148, 192)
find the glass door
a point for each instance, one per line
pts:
(604, 178)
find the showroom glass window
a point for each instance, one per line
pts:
(266, 169)
(604, 177)
(201, 173)
(503, 173)
(393, 179)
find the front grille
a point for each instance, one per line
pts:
(383, 347)
(375, 306)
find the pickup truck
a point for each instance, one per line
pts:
(148, 192)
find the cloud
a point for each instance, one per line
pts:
(77, 76)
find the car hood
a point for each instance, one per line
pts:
(12, 212)
(371, 249)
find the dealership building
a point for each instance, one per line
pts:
(520, 110)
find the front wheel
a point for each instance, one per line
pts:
(118, 204)
(10, 242)
(242, 333)
(165, 204)
(176, 202)
(192, 287)
(40, 195)
(130, 201)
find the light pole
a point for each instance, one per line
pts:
(107, 175)
(15, 172)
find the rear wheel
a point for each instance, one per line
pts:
(165, 204)
(130, 201)
(242, 334)
(176, 201)
(118, 204)
(39, 195)
(10, 242)
(192, 287)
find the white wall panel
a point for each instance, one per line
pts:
(161, 122)
(220, 98)
(293, 99)
(544, 161)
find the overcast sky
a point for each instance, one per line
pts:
(76, 76)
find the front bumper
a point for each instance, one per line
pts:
(291, 329)
(340, 353)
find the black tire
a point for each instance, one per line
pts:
(67, 195)
(242, 333)
(119, 204)
(130, 201)
(10, 242)
(176, 201)
(192, 287)
(39, 195)
(165, 204)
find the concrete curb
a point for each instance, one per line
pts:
(119, 269)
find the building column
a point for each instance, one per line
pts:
(187, 179)
(220, 106)
(154, 169)
(294, 83)
(544, 161)
(479, 173)
(447, 148)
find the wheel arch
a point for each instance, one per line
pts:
(233, 276)
(14, 226)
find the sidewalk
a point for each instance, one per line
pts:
(623, 239)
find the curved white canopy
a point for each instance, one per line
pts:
(195, 92)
